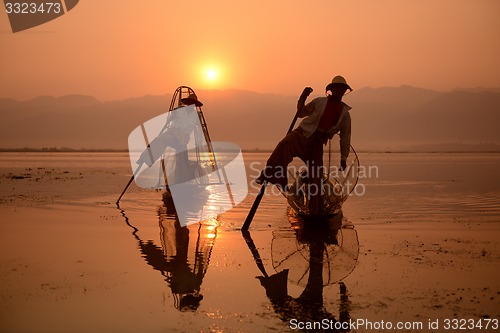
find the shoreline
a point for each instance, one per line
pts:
(257, 150)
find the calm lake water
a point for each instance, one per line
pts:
(84, 265)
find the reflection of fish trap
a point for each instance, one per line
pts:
(332, 248)
(187, 252)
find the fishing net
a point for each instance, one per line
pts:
(336, 184)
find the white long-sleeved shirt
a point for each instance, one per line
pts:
(313, 112)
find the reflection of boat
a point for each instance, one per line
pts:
(182, 258)
(311, 256)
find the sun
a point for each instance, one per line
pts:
(211, 74)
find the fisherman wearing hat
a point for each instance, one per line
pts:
(176, 135)
(323, 118)
(191, 99)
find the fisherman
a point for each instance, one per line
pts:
(176, 135)
(324, 117)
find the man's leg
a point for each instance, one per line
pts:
(315, 170)
(275, 172)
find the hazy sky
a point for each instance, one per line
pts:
(115, 49)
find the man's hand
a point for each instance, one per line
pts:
(302, 99)
(324, 137)
(343, 165)
(306, 92)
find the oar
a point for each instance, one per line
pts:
(256, 203)
(255, 251)
(293, 122)
(129, 182)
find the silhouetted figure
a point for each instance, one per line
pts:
(182, 260)
(176, 134)
(324, 117)
(309, 306)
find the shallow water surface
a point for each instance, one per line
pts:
(71, 261)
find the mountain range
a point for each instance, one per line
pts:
(390, 118)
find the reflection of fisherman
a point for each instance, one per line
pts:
(182, 266)
(176, 135)
(309, 306)
(184, 281)
(324, 117)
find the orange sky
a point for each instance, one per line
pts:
(115, 49)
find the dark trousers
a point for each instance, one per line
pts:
(310, 151)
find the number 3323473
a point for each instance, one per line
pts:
(33, 8)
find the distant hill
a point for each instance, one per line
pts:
(75, 121)
(467, 117)
(383, 119)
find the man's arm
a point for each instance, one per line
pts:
(302, 109)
